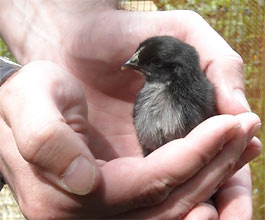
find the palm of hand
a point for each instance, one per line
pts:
(110, 93)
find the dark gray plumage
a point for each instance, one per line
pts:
(7, 68)
(176, 95)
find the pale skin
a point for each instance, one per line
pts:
(49, 118)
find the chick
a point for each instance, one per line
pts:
(176, 95)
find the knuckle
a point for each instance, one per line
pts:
(41, 145)
(183, 206)
(193, 15)
(202, 157)
(38, 208)
(207, 211)
(229, 166)
(33, 210)
(187, 203)
(237, 61)
(152, 194)
(232, 59)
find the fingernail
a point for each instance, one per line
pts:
(79, 177)
(241, 98)
(254, 131)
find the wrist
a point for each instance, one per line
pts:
(24, 31)
(38, 30)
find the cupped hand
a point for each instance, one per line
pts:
(92, 45)
(48, 139)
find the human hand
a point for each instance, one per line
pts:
(52, 130)
(100, 71)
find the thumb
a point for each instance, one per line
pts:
(222, 65)
(229, 84)
(46, 110)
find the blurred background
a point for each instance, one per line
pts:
(241, 24)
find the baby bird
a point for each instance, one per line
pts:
(176, 95)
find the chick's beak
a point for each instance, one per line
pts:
(132, 63)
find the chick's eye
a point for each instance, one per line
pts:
(156, 61)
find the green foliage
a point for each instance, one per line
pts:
(4, 52)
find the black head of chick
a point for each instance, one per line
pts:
(163, 58)
(176, 95)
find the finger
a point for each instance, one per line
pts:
(252, 151)
(233, 199)
(229, 85)
(210, 177)
(203, 211)
(202, 185)
(254, 146)
(30, 189)
(45, 109)
(222, 65)
(217, 136)
(142, 182)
